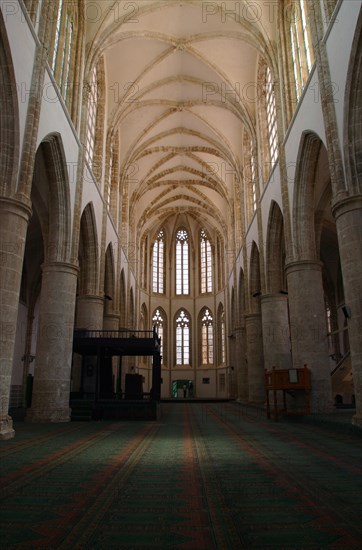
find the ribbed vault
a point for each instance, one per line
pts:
(181, 89)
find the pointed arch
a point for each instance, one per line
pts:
(255, 281)
(109, 281)
(182, 322)
(56, 198)
(132, 320)
(158, 262)
(88, 252)
(123, 300)
(241, 295)
(221, 335)
(353, 108)
(275, 250)
(206, 337)
(159, 321)
(233, 310)
(182, 261)
(206, 262)
(9, 118)
(303, 204)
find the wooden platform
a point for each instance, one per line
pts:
(116, 342)
(121, 409)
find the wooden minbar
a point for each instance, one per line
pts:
(287, 381)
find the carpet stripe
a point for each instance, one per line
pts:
(123, 467)
(29, 473)
(225, 534)
(346, 523)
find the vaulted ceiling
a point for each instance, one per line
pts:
(180, 87)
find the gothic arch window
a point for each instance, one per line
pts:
(221, 335)
(182, 329)
(112, 187)
(182, 262)
(95, 119)
(144, 263)
(64, 50)
(207, 337)
(249, 176)
(271, 116)
(158, 263)
(92, 116)
(159, 322)
(131, 317)
(205, 263)
(267, 120)
(220, 263)
(301, 53)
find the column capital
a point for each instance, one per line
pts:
(112, 316)
(303, 265)
(90, 298)
(273, 297)
(15, 206)
(64, 267)
(347, 204)
(251, 316)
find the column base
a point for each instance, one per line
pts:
(46, 415)
(6, 428)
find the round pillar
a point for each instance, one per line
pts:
(90, 312)
(89, 315)
(348, 216)
(14, 219)
(111, 321)
(276, 335)
(241, 364)
(255, 359)
(308, 327)
(51, 389)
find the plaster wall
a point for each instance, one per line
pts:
(22, 52)
(343, 30)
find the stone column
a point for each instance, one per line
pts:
(14, 218)
(276, 335)
(90, 312)
(308, 326)
(89, 315)
(241, 364)
(348, 215)
(111, 322)
(254, 346)
(50, 402)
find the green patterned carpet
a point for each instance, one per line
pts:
(206, 476)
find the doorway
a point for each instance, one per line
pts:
(182, 389)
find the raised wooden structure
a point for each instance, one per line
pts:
(287, 381)
(102, 401)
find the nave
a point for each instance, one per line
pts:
(206, 475)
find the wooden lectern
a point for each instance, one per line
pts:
(290, 381)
